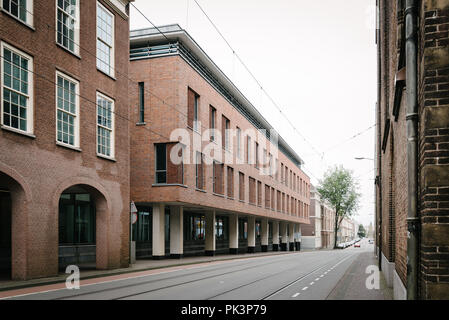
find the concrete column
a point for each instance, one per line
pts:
(264, 235)
(176, 232)
(234, 234)
(275, 235)
(291, 227)
(251, 234)
(210, 233)
(158, 231)
(298, 237)
(283, 231)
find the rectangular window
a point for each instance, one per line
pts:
(16, 89)
(252, 191)
(248, 150)
(141, 102)
(267, 197)
(282, 173)
(230, 184)
(218, 173)
(105, 40)
(278, 202)
(259, 193)
(273, 196)
(67, 24)
(161, 163)
(226, 126)
(241, 186)
(200, 171)
(193, 110)
(21, 9)
(67, 110)
(256, 155)
(239, 143)
(213, 122)
(105, 126)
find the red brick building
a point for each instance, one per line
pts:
(412, 205)
(64, 137)
(229, 189)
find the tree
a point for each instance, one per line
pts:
(362, 232)
(338, 188)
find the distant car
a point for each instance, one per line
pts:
(357, 245)
(370, 241)
(341, 246)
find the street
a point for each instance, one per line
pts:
(297, 276)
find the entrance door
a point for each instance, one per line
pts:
(5, 234)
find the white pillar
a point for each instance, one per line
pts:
(251, 234)
(275, 235)
(264, 235)
(284, 236)
(176, 232)
(158, 231)
(291, 227)
(210, 233)
(233, 234)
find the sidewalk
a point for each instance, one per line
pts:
(140, 265)
(352, 286)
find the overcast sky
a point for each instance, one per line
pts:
(316, 59)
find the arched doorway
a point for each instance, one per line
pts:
(82, 228)
(13, 212)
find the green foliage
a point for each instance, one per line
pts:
(339, 189)
(362, 231)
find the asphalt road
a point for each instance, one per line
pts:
(303, 275)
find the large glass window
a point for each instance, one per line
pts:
(221, 228)
(17, 82)
(105, 126)
(243, 229)
(161, 163)
(142, 229)
(68, 24)
(67, 110)
(105, 40)
(195, 227)
(21, 9)
(76, 219)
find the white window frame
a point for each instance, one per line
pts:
(112, 156)
(76, 40)
(77, 110)
(30, 104)
(29, 13)
(112, 56)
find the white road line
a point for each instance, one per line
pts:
(317, 279)
(312, 283)
(322, 276)
(295, 295)
(305, 288)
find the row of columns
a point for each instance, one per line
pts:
(289, 233)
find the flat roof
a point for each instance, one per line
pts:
(173, 34)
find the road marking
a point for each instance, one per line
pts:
(312, 283)
(317, 279)
(305, 288)
(322, 276)
(295, 295)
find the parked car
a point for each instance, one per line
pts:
(370, 241)
(357, 245)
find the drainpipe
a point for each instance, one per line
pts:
(412, 146)
(379, 138)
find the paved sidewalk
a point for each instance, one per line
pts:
(140, 265)
(352, 286)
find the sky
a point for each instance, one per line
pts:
(316, 59)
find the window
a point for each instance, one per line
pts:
(169, 171)
(218, 172)
(142, 229)
(141, 102)
(105, 126)
(226, 126)
(239, 143)
(213, 122)
(252, 191)
(256, 155)
(273, 196)
(193, 110)
(67, 24)
(17, 89)
(67, 110)
(267, 197)
(243, 229)
(230, 183)
(221, 228)
(259, 193)
(200, 171)
(194, 227)
(248, 150)
(241, 186)
(21, 9)
(105, 40)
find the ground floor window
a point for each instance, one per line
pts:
(76, 219)
(258, 229)
(194, 227)
(270, 230)
(142, 229)
(221, 227)
(243, 229)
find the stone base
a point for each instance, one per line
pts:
(283, 247)
(251, 249)
(276, 247)
(264, 248)
(298, 246)
(210, 253)
(233, 251)
(176, 256)
(292, 246)
(158, 257)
